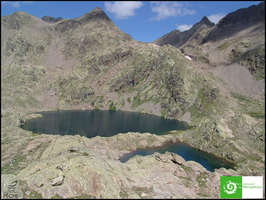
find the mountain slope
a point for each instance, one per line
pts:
(239, 38)
(236, 21)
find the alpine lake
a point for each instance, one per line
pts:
(91, 123)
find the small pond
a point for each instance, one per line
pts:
(93, 123)
(209, 161)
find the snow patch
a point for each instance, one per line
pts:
(187, 57)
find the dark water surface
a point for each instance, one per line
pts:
(93, 123)
(210, 162)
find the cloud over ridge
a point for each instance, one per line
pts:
(123, 9)
(215, 18)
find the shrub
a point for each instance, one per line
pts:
(112, 107)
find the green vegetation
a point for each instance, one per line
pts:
(187, 181)
(202, 194)
(201, 179)
(34, 195)
(14, 165)
(224, 46)
(57, 196)
(5, 140)
(97, 102)
(84, 196)
(242, 98)
(207, 104)
(253, 59)
(163, 113)
(260, 115)
(122, 102)
(112, 107)
(254, 108)
(188, 170)
(28, 193)
(73, 90)
(136, 101)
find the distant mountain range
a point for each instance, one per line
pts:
(230, 24)
(239, 36)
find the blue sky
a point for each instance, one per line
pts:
(143, 20)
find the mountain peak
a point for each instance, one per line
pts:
(206, 21)
(96, 13)
(97, 9)
(19, 19)
(20, 13)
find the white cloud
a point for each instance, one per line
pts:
(169, 9)
(215, 18)
(183, 27)
(123, 9)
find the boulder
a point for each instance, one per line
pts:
(58, 180)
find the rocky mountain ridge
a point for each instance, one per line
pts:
(177, 38)
(236, 21)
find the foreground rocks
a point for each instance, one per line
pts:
(74, 166)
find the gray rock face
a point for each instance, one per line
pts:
(10, 188)
(237, 21)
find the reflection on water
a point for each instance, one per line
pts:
(100, 123)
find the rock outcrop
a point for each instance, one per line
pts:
(98, 173)
(51, 19)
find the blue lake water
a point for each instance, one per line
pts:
(209, 161)
(91, 123)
